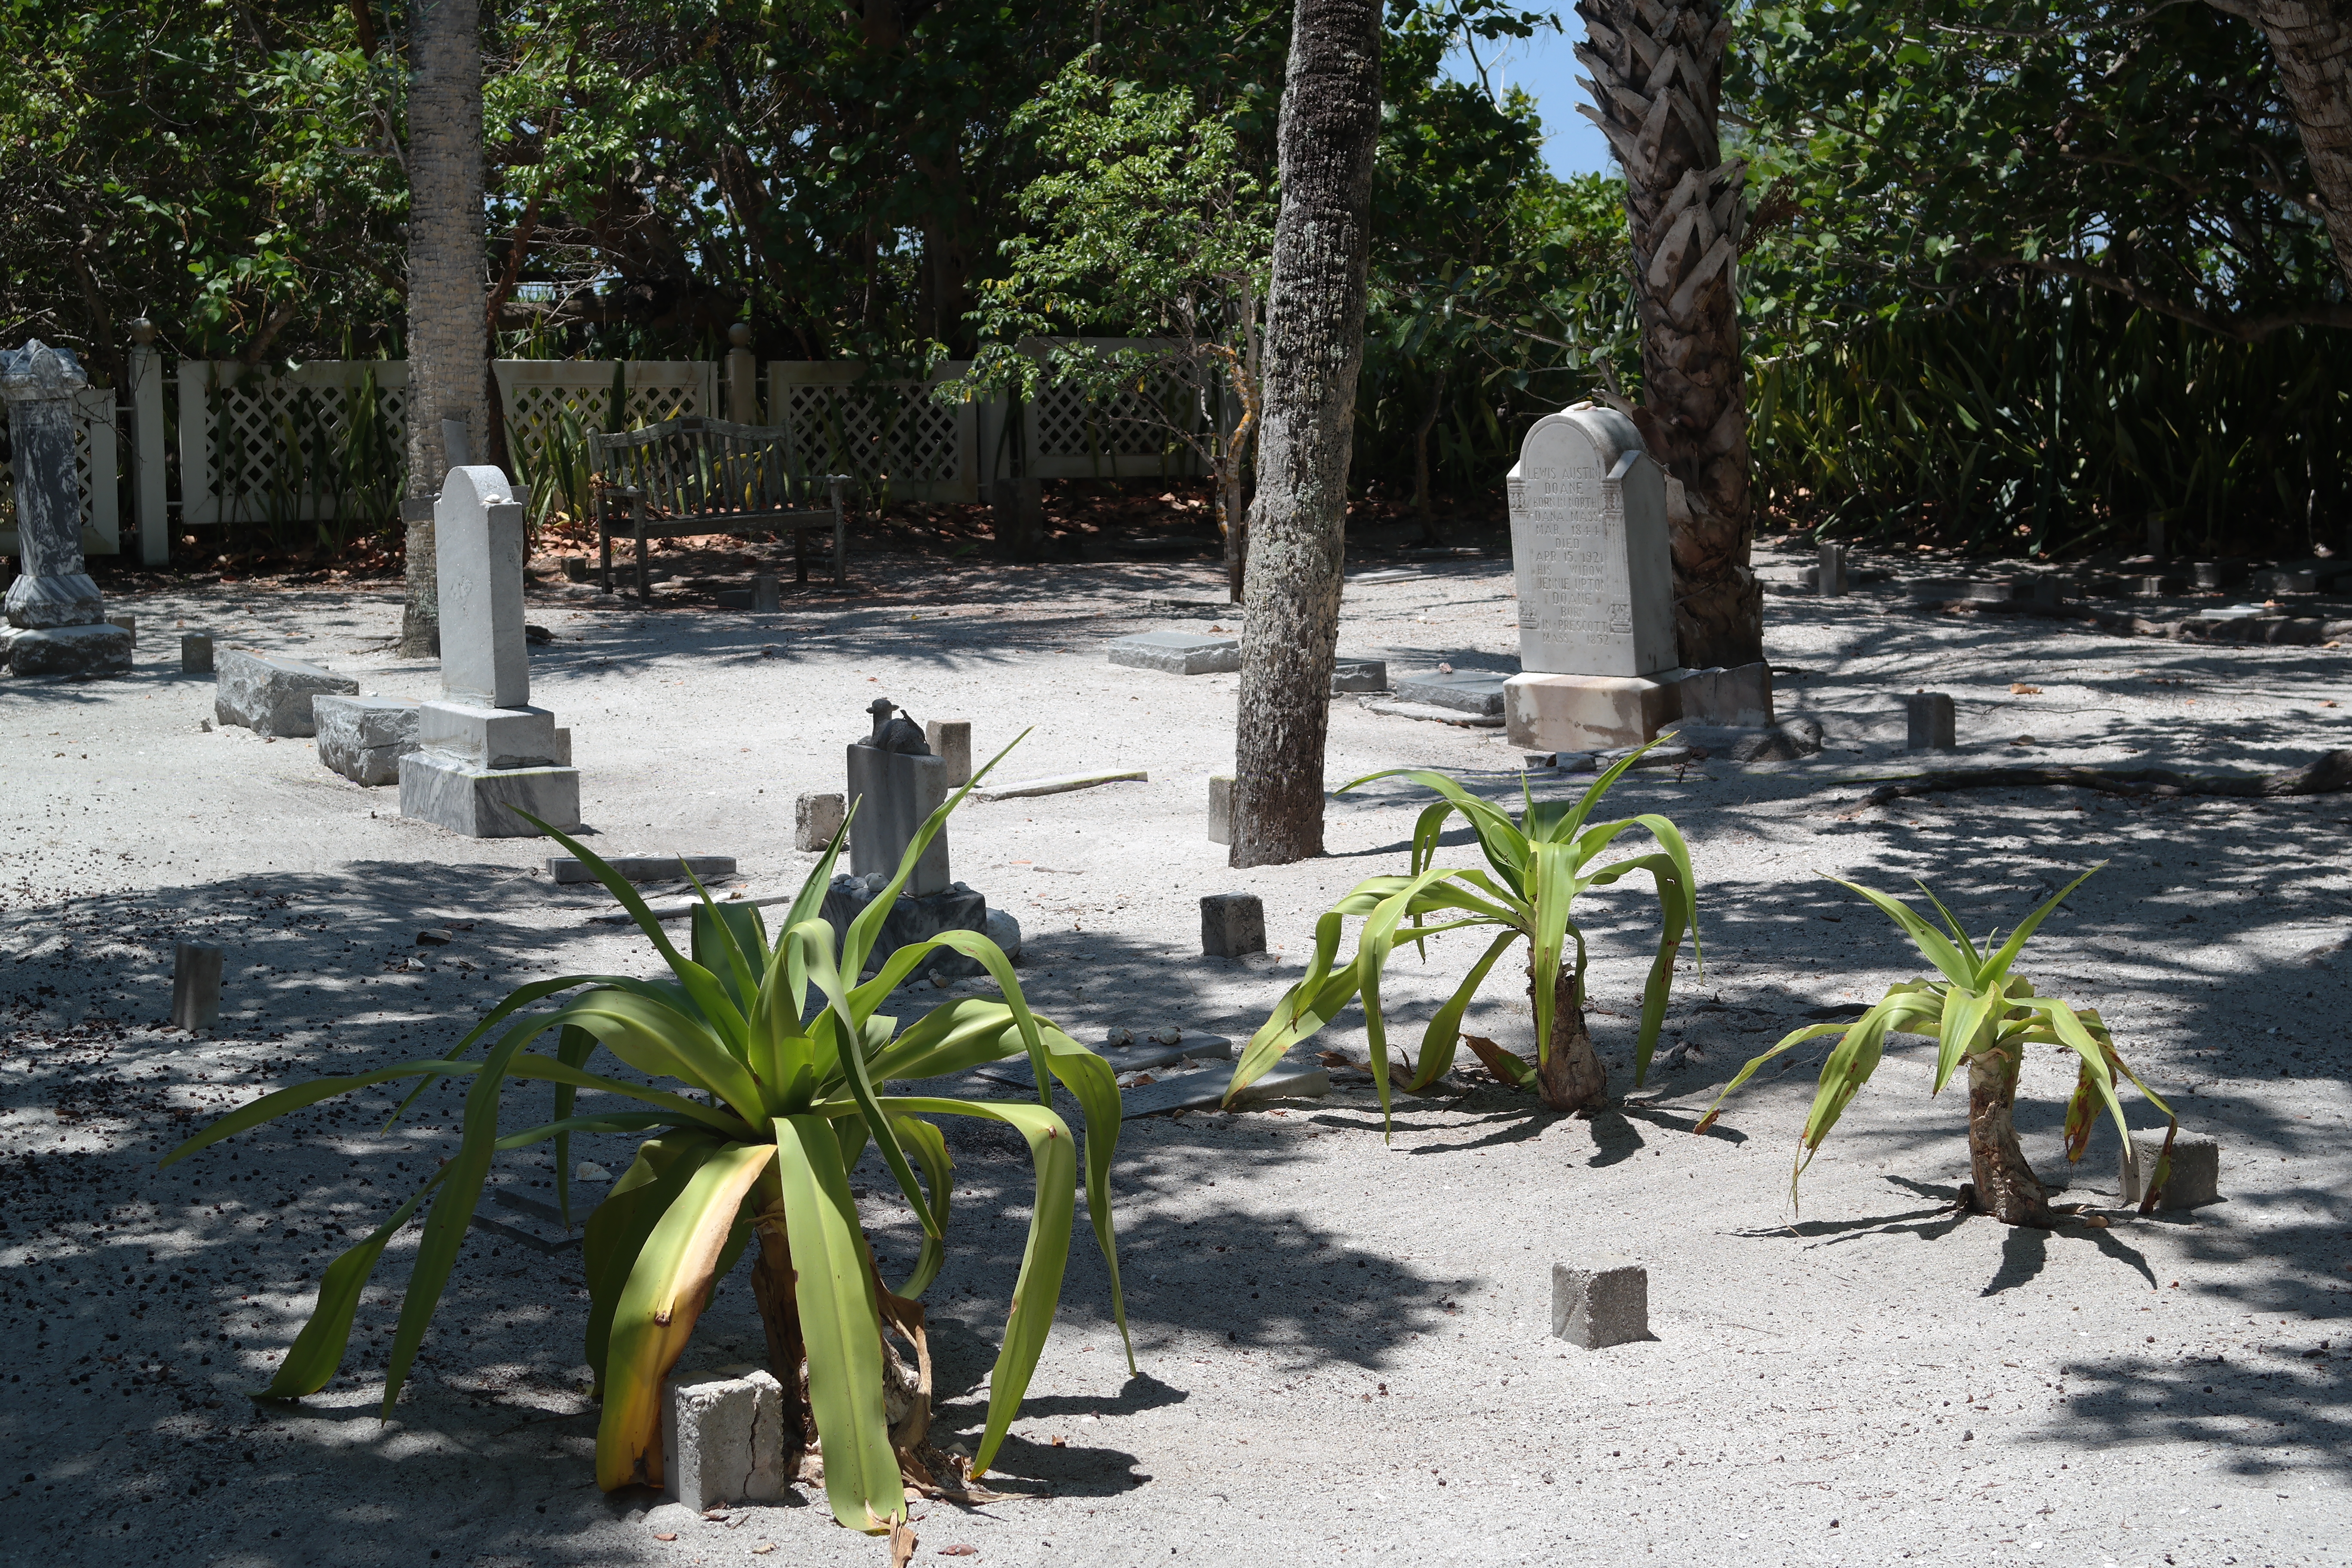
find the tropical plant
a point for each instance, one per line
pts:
(1536, 868)
(1983, 1013)
(778, 1104)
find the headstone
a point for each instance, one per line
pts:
(1467, 690)
(895, 784)
(196, 652)
(1928, 724)
(1829, 577)
(57, 619)
(950, 742)
(1232, 925)
(363, 738)
(767, 593)
(723, 1438)
(568, 870)
(1220, 808)
(273, 696)
(483, 749)
(2195, 1178)
(1599, 1304)
(1178, 653)
(815, 819)
(195, 985)
(1589, 540)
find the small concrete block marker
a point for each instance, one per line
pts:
(1928, 722)
(950, 742)
(1220, 808)
(1603, 1303)
(767, 595)
(1231, 924)
(722, 1438)
(1829, 577)
(1177, 652)
(2196, 1176)
(195, 985)
(196, 652)
(272, 696)
(815, 819)
(126, 621)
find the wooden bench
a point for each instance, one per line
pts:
(692, 476)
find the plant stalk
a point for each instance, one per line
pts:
(2005, 1185)
(1568, 1076)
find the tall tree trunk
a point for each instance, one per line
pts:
(1313, 348)
(448, 342)
(2004, 1185)
(1657, 74)
(2311, 43)
(1568, 1075)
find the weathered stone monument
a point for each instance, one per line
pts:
(57, 620)
(483, 748)
(1591, 553)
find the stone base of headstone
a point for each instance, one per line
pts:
(363, 738)
(1589, 713)
(1739, 695)
(911, 919)
(272, 696)
(2196, 1176)
(196, 652)
(68, 599)
(1221, 809)
(723, 1437)
(815, 819)
(99, 649)
(478, 802)
(950, 742)
(1602, 1303)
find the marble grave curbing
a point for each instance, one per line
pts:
(363, 738)
(274, 696)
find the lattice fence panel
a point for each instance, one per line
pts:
(537, 394)
(1135, 434)
(895, 437)
(95, 449)
(323, 441)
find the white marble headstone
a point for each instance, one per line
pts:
(478, 544)
(1591, 549)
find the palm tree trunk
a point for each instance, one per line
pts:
(2005, 1185)
(2311, 43)
(448, 343)
(1568, 1076)
(1314, 349)
(1657, 74)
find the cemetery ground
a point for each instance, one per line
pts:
(1344, 1340)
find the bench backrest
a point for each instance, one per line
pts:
(696, 467)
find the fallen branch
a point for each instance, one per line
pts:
(2330, 773)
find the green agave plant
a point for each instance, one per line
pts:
(776, 1112)
(1536, 867)
(1982, 1014)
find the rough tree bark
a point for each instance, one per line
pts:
(2311, 45)
(2004, 1185)
(1657, 75)
(448, 340)
(1313, 348)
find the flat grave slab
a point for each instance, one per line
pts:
(567, 869)
(1178, 653)
(1476, 691)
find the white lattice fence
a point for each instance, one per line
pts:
(324, 440)
(95, 466)
(1133, 435)
(893, 436)
(539, 392)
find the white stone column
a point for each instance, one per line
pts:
(742, 376)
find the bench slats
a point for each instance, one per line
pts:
(695, 475)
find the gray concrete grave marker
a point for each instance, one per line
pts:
(1232, 925)
(195, 985)
(2196, 1176)
(1928, 722)
(767, 595)
(815, 819)
(57, 618)
(1220, 808)
(895, 784)
(1602, 1303)
(196, 652)
(1829, 577)
(483, 748)
(950, 742)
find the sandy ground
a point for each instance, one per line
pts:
(1344, 1340)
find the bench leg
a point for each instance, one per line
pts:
(604, 534)
(840, 551)
(800, 555)
(645, 591)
